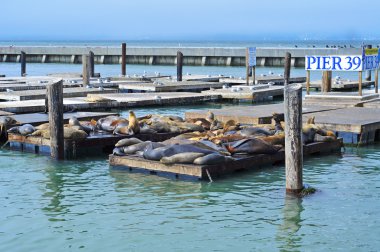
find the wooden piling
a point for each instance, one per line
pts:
(247, 65)
(91, 63)
(55, 102)
(253, 75)
(377, 81)
(293, 138)
(179, 65)
(123, 59)
(293, 131)
(86, 69)
(288, 62)
(326, 81)
(23, 63)
(308, 82)
(368, 74)
(360, 83)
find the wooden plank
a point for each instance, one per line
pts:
(40, 93)
(36, 119)
(264, 79)
(342, 84)
(252, 114)
(252, 93)
(199, 172)
(116, 101)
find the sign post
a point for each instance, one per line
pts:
(250, 63)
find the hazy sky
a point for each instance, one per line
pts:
(188, 19)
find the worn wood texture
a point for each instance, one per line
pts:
(55, 100)
(253, 75)
(377, 81)
(23, 63)
(86, 69)
(179, 65)
(123, 59)
(293, 137)
(308, 82)
(368, 72)
(247, 66)
(199, 172)
(326, 81)
(360, 83)
(91, 56)
(287, 66)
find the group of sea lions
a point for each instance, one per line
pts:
(222, 142)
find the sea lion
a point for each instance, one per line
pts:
(43, 126)
(182, 158)
(118, 152)
(176, 149)
(109, 123)
(127, 142)
(134, 127)
(176, 118)
(152, 153)
(73, 121)
(121, 128)
(26, 129)
(200, 121)
(275, 139)
(68, 133)
(254, 131)
(226, 139)
(132, 149)
(210, 116)
(252, 146)
(5, 122)
(212, 159)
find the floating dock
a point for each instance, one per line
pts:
(111, 101)
(277, 80)
(162, 85)
(342, 85)
(92, 145)
(41, 94)
(340, 99)
(203, 172)
(261, 114)
(257, 93)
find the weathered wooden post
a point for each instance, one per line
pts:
(308, 82)
(253, 75)
(86, 69)
(326, 81)
(360, 83)
(92, 63)
(377, 80)
(368, 74)
(247, 66)
(293, 132)
(179, 65)
(55, 102)
(123, 59)
(23, 63)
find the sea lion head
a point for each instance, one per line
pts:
(73, 121)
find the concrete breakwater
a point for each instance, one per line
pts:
(200, 56)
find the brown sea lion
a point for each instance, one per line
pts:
(212, 159)
(226, 139)
(134, 127)
(127, 142)
(278, 139)
(182, 158)
(252, 146)
(5, 122)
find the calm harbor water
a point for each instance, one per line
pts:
(84, 205)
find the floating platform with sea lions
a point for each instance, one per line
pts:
(225, 148)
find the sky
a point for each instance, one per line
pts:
(188, 19)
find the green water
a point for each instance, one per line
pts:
(84, 205)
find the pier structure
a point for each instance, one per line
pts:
(198, 56)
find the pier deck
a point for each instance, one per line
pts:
(199, 172)
(345, 85)
(95, 144)
(255, 93)
(117, 100)
(277, 80)
(41, 94)
(163, 85)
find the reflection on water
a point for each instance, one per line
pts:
(287, 236)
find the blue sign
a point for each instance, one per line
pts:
(334, 63)
(251, 56)
(370, 58)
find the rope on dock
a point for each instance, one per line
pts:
(209, 176)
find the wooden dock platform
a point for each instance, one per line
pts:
(41, 94)
(36, 119)
(118, 100)
(340, 99)
(163, 85)
(341, 85)
(95, 144)
(199, 172)
(261, 114)
(277, 80)
(257, 93)
(355, 125)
